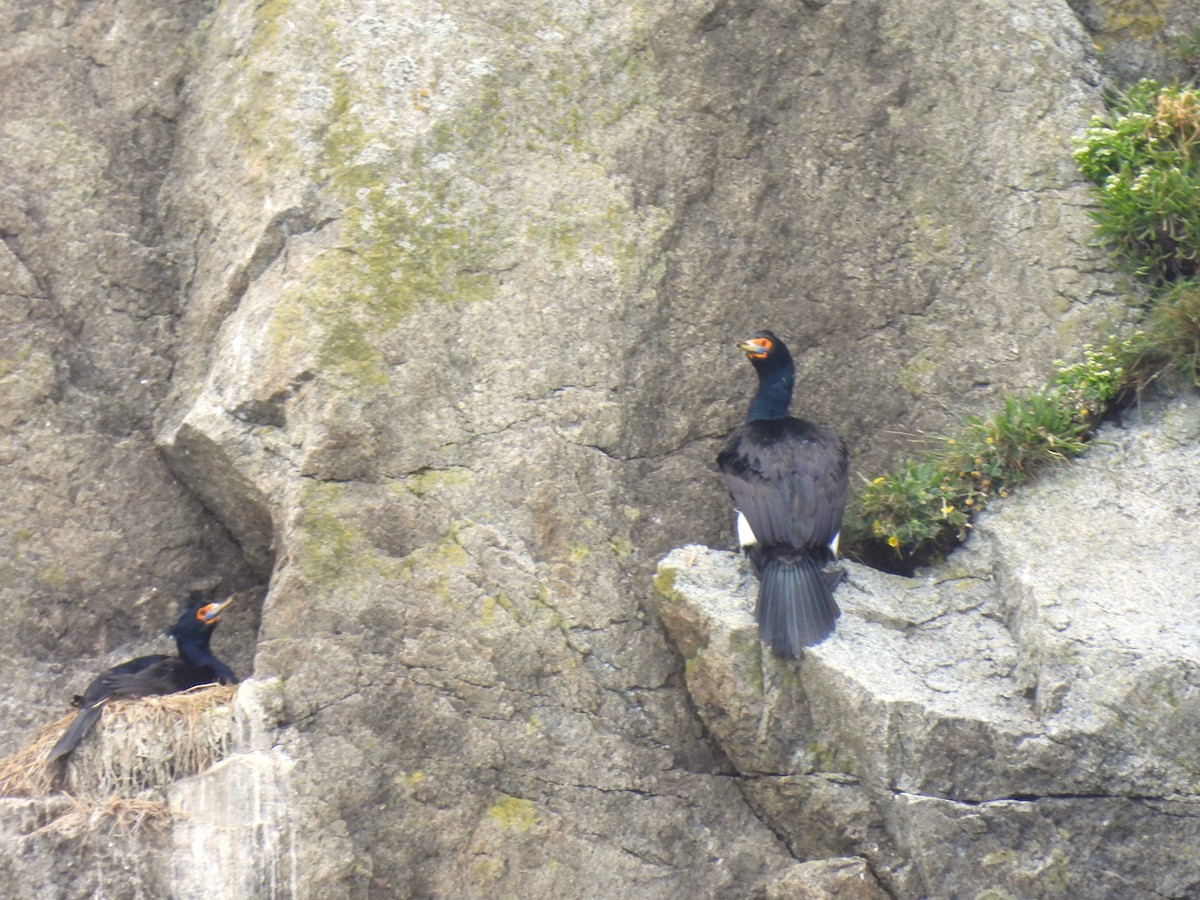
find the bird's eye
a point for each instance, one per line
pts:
(763, 345)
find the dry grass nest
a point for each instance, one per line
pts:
(115, 777)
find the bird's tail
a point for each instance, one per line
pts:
(81, 725)
(795, 603)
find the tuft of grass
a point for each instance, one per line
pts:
(998, 452)
(920, 511)
(1172, 332)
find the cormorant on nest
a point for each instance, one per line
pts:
(157, 674)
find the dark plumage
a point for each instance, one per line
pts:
(788, 481)
(157, 674)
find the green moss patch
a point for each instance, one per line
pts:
(514, 813)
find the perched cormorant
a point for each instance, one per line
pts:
(157, 674)
(788, 480)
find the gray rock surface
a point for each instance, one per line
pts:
(1142, 40)
(432, 309)
(1018, 720)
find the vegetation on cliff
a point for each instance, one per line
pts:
(1142, 159)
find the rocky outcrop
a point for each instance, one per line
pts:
(435, 322)
(1018, 721)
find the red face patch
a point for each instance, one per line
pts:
(762, 346)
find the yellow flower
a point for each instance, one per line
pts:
(878, 481)
(893, 541)
(946, 510)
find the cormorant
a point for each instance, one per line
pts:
(156, 674)
(788, 481)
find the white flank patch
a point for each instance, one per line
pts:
(745, 533)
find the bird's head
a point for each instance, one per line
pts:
(766, 351)
(759, 345)
(200, 616)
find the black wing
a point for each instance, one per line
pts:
(788, 478)
(166, 676)
(98, 689)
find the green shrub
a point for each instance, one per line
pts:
(917, 505)
(1094, 382)
(1144, 160)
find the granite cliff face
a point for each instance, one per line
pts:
(421, 316)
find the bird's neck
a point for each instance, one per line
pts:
(774, 396)
(194, 649)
